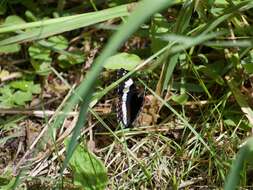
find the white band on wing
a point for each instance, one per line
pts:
(126, 89)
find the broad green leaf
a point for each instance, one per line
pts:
(30, 16)
(40, 59)
(9, 98)
(58, 42)
(7, 180)
(20, 98)
(38, 52)
(6, 97)
(13, 48)
(71, 58)
(28, 86)
(13, 20)
(18, 93)
(180, 99)
(89, 172)
(41, 67)
(122, 60)
(9, 185)
(229, 122)
(235, 120)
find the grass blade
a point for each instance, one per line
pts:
(145, 9)
(181, 118)
(241, 100)
(52, 27)
(243, 156)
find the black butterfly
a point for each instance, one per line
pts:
(130, 101)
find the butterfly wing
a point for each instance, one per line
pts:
(130, 101)
(135, 103)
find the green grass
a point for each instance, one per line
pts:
(193, 131)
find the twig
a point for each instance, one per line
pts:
(37, 113)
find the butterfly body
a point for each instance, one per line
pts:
(130, 101)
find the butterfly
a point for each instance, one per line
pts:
(130, 100)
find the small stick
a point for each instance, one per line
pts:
(37, 113)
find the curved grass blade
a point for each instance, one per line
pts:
(244, 156)
(240, 99)
(144, 10)
(43, 29)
